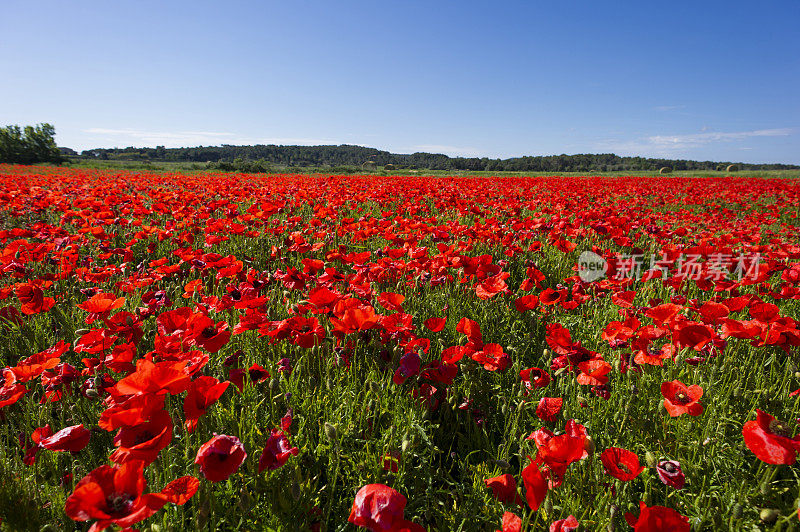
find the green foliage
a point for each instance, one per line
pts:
(33, 144)
(329, 157)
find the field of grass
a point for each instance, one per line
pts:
(161, 166)
(440, 338)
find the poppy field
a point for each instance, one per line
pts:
(290, 352)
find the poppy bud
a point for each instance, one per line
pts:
(737, 511)
(374, 387)
(502, 464)
(548, 506)
(331, 432)
(588, 445)
(546, 353)
(769, 515)
(405, 445)
(650, 459)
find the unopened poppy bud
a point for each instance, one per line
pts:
(295, 491)
(405, 445)
(769, 515)
(274, 385)
(546, 353)
(374, 387)
(548, 507)
(737, 511)
(650, 459)
(588, 445)
(502, 464)
(81, 332)
(331, 432)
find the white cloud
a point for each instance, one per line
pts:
(453, 151)
(700, 139)
(673, 145)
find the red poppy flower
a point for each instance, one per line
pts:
(10, 315)
(144, 441)
(492, 358)
(203, 392)
(131, 411)
(377, 507)
(536, 377)
(504, 489)
(100, 305)
(594, 372)
(548, 408)
(621, 463)
(550, 296)
(511, 523)
(570, 524)
(276, 452)
(391, 301)
(535, 485)
(435, 324)
(220, 457)
(771, 440)
(525, 303)
(671, 474)
(159, 377)
(658, 519)
(71, 439)
(33, 366)
(32, 299)
(681, 399)
(114, 496)
(558, 452)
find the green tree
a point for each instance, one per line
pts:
(34, 144)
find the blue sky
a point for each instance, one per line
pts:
(688, 79)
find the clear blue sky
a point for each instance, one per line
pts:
(690, 79)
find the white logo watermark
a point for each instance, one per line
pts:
(716, 266)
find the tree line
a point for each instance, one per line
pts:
(348, 155)
(28, 145)
(34, 144)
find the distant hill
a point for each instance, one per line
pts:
(347, 155)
